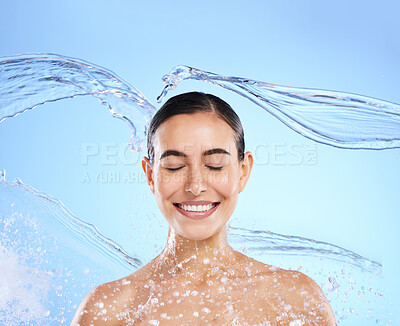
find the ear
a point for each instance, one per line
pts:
(148, 171)
(245, 169)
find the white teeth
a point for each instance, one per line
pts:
(196, 208)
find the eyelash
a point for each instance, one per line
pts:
(215, 168)
(173, 170)
(210, 167)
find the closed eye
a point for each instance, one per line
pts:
(212, 168)
(174, 169)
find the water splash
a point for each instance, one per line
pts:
(260, 242)
(59, 258)
(29, 80)
(353, 284)
(333, 118)
(52, 258)
(85, 234)
(49, 258)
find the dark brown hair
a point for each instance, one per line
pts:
(193, 102)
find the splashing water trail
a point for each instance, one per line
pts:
(333, 118)
(259, 242)
(29, 80)
(49, 258)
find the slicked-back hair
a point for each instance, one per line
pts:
(195, 102)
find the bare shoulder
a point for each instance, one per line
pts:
(302, 296)
(102, 304)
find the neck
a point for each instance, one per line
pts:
(195, 258)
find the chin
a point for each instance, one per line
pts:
(198, 236)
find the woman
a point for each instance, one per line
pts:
(196, 168)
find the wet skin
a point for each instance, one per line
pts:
(199, 279)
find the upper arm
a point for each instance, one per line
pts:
(93, 310)
(319, 311)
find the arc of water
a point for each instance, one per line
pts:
(333, 118)
(270, 243)
(30, 80)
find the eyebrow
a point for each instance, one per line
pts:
(172, 152)
(216, 151)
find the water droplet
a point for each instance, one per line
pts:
(125, 282)
(2, 175)
(287, 307)
(99, 304)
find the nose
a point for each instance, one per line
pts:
(196, 183)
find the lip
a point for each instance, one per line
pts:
(196, 215)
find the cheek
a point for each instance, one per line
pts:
(167, 184)
(226, 183)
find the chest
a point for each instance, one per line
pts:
(229, 303)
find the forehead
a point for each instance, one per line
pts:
(198, 130)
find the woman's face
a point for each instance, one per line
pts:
(196, 176)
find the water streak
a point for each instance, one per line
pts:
(49, 258)
(52, 258)
(269, 243)
(333, 118)
(59, 257)
(29, 80)
(85, 234)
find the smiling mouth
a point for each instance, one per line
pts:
(195, 207)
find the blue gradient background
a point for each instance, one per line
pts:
(346, 197)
